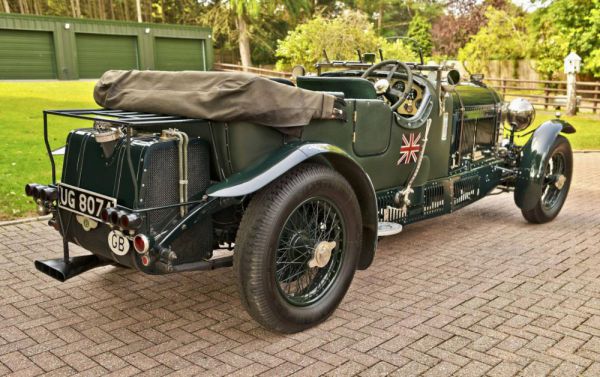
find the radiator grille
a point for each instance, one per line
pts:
(467, 140)
(479, 128)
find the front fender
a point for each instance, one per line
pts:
(529, 182)
(290, 155)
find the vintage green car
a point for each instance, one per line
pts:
(299, 207)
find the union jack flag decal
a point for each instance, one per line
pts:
(409, 151)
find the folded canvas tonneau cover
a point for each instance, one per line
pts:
(219, 96)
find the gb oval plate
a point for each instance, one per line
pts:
(118, 243)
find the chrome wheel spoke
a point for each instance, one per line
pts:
(302, 275)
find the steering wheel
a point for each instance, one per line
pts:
(384, 87)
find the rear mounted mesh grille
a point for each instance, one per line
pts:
(161, 181)
(161, 178)
(161, 187)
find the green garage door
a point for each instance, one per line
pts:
(26, 55)
(175, 54)
(97, 54)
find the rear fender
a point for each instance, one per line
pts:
(529, 182)
(290, 155)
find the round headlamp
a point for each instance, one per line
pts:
(520, 114)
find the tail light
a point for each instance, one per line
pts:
(115, 216)
(106, 214)
(130, 221)
(36, 191)
(141, 243)
(29, 188)
(49, 194)
(145, 259)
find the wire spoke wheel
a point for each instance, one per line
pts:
(554, 181)
(557, 174)
(297, 248)
(309, 251)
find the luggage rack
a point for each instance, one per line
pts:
(120, 117)
(117, 117)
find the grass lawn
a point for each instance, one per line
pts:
(23, 158)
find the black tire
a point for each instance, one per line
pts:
(552, 199)
(264, 270)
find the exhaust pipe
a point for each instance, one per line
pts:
(61, 271)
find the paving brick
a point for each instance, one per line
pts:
(477, 292)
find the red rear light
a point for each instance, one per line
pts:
(106, 214)
(130, 221)
(115, 216)
(145, 260)
(141, 243)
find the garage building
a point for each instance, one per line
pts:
(37, 47)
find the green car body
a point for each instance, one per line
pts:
(402, 168)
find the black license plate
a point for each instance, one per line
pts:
(82, 201)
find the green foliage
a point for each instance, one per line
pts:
(398, 50)
(564, 26)
(502, 38)
(419, 29)
(340, 36)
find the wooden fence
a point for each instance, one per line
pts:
(549, 94)
(258, 71)
(542, 93)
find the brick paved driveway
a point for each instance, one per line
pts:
(479, 292)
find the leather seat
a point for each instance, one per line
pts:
(352, 87)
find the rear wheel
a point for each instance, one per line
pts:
(557, 181)
(297, 248)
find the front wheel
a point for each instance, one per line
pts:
(557, 181)
(297, 248)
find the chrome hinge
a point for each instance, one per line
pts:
(354, 116)
(353, 137)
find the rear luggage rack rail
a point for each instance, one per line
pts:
(121, 117)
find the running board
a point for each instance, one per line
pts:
(61, 271)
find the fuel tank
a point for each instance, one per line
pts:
(106, 171)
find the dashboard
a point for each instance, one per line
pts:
(413, 99)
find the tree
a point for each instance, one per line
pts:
(419, 29)
(340, 37)
(502, 38)
(461, 20)
(564, 26)
(246, 11)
